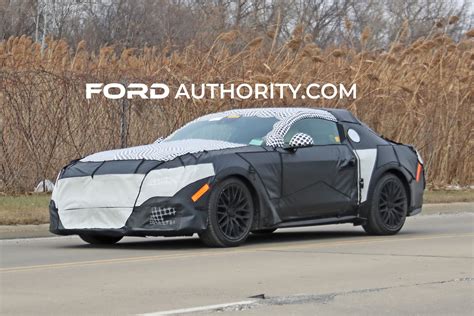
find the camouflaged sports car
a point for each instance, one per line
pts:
(228, 174)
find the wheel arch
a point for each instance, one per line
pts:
(253, 191)
(398, 172)
(393, 169)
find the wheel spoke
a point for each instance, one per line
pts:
(243, 216)
(233, 211)
(238, 197)
(392, 218)
(399, 210)
(241, 221)
(238, 226)
(222, 220)
(230, 228)
(235, 194)
(392, 189)
(397, 215)
(235, 226)
(392, 203)
(400, 202)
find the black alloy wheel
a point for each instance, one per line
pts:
(389, 207)
(231, 212)
(392, 204)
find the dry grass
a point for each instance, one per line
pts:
(24, 209)
(448, 196)
(420, 94)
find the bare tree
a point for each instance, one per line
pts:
(177, 22)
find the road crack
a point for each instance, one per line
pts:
(325, 298)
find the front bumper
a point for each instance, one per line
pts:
(158, 216)
(108, 198)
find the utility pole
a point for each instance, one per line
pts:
(124, 120)
(124, 123)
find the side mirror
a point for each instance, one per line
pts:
(300, 140)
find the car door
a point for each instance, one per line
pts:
(320, 180)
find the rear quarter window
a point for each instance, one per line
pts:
(323, 132)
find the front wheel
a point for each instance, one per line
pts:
(100, 239)
(230, 214)
(389, 207)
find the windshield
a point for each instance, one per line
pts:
(235, 129)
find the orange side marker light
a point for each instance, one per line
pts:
(196, 196)
(418, 172)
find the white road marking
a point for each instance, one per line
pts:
(206, 308)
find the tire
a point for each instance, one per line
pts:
(264, 231)
(230, 214)
(388, 208)
(100, 239)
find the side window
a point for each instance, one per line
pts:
(323, 132)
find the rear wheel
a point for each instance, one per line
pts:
(230, 214)
(100, 239)
(389, 207)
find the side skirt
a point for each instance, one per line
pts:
(319, 221)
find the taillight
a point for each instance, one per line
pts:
(419, 169)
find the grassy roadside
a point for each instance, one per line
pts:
(24, 209)
(33, 209)
(448, 196)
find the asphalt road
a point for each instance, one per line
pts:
(426, 269)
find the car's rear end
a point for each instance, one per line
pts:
(411, 161)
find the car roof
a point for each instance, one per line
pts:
(343, 115)
(281, 113)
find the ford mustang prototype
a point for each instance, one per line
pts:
(229, 174)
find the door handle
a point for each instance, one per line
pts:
(347, 163)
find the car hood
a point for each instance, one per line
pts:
(162, 151)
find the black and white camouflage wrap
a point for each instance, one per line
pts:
(275, 137)
(162, 216)
(274, 140)
(168, 150)
(151, 190)
(278, 113)
(301, 140)
(162, 151)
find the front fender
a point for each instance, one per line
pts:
(266, 208)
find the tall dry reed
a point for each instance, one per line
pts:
(420, 94)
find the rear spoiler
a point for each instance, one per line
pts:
(391, 141)
(401, 144)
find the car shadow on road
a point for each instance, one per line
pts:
(193, 243)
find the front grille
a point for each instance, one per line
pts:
(163, 216)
